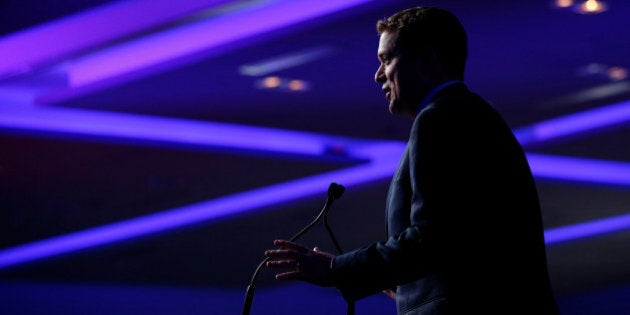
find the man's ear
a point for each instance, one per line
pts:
(433, 63)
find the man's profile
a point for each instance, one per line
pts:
(464, 232)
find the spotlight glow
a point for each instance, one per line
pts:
(617, 73)
(563, 3)
(297, 85)
(592, 7)
(271, 82)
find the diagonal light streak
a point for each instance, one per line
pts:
(53, 41)
(382, 157)
(587, 229)
(286, 61)
(205, 211)
(163, 131)
(575, 124)
(580, 169)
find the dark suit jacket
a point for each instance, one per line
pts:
(465, 233)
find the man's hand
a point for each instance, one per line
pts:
(301, 263)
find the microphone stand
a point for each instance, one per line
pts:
(350, 309)
(334, 192)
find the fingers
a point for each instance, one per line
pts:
(296, 262)
(287, 257)
(287, 264)
(295, 274)
(284, 254)
(291, 275)
(288, 250)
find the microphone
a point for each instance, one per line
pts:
(334, 192)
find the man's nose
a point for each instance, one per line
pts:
(379, 76)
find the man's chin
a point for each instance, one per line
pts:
(399, 110)
(393, 109)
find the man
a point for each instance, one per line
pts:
(464, 227)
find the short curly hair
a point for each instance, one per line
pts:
(424, 29)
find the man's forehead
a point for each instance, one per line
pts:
(387, 42)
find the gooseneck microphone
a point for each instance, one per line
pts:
(334, 192)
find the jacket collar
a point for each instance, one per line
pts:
(433, 93)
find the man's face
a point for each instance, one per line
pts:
(405, 78)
